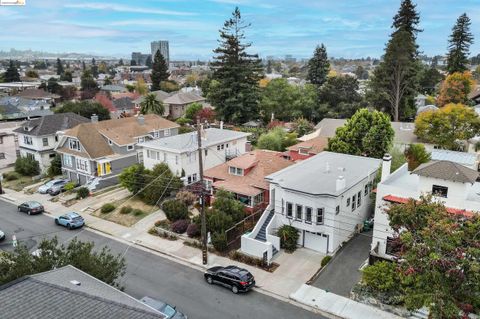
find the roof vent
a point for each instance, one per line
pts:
(75, 282)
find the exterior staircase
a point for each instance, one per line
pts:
(262, 233)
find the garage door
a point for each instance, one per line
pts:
(316, 241)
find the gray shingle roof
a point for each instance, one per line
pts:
(404, 132)
(50, 124)
(318, 174)
(124, 103)
(188, 142)
(447, 170)
(183, 98)
(51, 295)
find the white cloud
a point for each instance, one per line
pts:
(124, 8)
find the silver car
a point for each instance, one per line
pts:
(2, 235)
(48, 185)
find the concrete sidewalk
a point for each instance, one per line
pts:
(337, 305)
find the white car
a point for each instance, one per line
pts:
(2, 235)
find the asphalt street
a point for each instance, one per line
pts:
(151, 275)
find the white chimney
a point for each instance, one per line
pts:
(141, 119)
(386, 166)
(221, 125)
(340, 183)
(94, 118)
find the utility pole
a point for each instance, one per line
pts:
(202, 193)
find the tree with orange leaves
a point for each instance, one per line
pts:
(455, 88)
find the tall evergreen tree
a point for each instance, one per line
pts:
(11, 75)
(159, 71)
(60, 69)
(148, 61)
(318, 66)
(84, 67)
(94, 68)
(459, 45)
(236, 73)
(395, 80)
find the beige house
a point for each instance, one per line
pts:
(8, 144)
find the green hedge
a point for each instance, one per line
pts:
(107, 208)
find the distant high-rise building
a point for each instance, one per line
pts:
(290, 58)
(140, 58)
(164, 50)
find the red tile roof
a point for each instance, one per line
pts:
(451, 210)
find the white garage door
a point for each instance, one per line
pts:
(316, 241)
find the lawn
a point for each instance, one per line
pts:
(131, 217)
(19, 183)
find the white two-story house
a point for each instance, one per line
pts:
(452, 181)
(180, 152)
(37, 138)
(326, 198)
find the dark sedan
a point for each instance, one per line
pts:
(235, 278)
(31, 208)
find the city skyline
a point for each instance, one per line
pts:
(278, 27)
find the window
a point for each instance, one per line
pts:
(218, 147)
(337, 210)
(27, 140)
(308, 215)
(366, 190)
(289, 210)
(2, 155)
(166, 132)
(348, 202)
(303, 151)
(56, 138)
(110, 142)
(51, 155)
(30, 156)
(194, 177)
(130, 147)
(359, 199)
(206, 152)
(258, 199)
(226, 145)
(189, 179)
(156, 134)
(235, 171)
(320, 216)
(176, 159)
(74, 145)
(222, 146)
(440, 191)
(354, 202)
(1, 139)
(283, 206)
(141, 139)
(82, 165)
(208, 184)
(45, 141)
(67, 160)
(298, 212)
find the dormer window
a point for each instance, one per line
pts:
(25, 128)
(235, 171)
(303, 151)
(74, 144)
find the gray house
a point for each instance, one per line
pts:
(96, 153)
(68, 292)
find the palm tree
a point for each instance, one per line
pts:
(416, 154)
(150, 104)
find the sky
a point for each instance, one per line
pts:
(348, 28)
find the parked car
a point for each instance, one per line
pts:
(164, 308)
(70, 220)
(48, 185)
(233, 277)
(2, 235)
(58, 188)
(31, 207)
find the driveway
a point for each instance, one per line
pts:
(342, 272)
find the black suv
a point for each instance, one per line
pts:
(233, 277)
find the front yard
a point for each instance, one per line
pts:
(126, 213)
(17, 182)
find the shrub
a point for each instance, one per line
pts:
(107, 208)
(11, 176)
(175, 210)
(183, 121)
(69, 186)
(164, 223)
(246, 259)
(138, 212)
(180, 226)
(381, 276)
(126, 210)
(55, 167)
(82, 192)
(288, 238)
(27, 166)
(219, 241)
(186, 197)
(193, 230)
(326, 260)
(218, 221)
